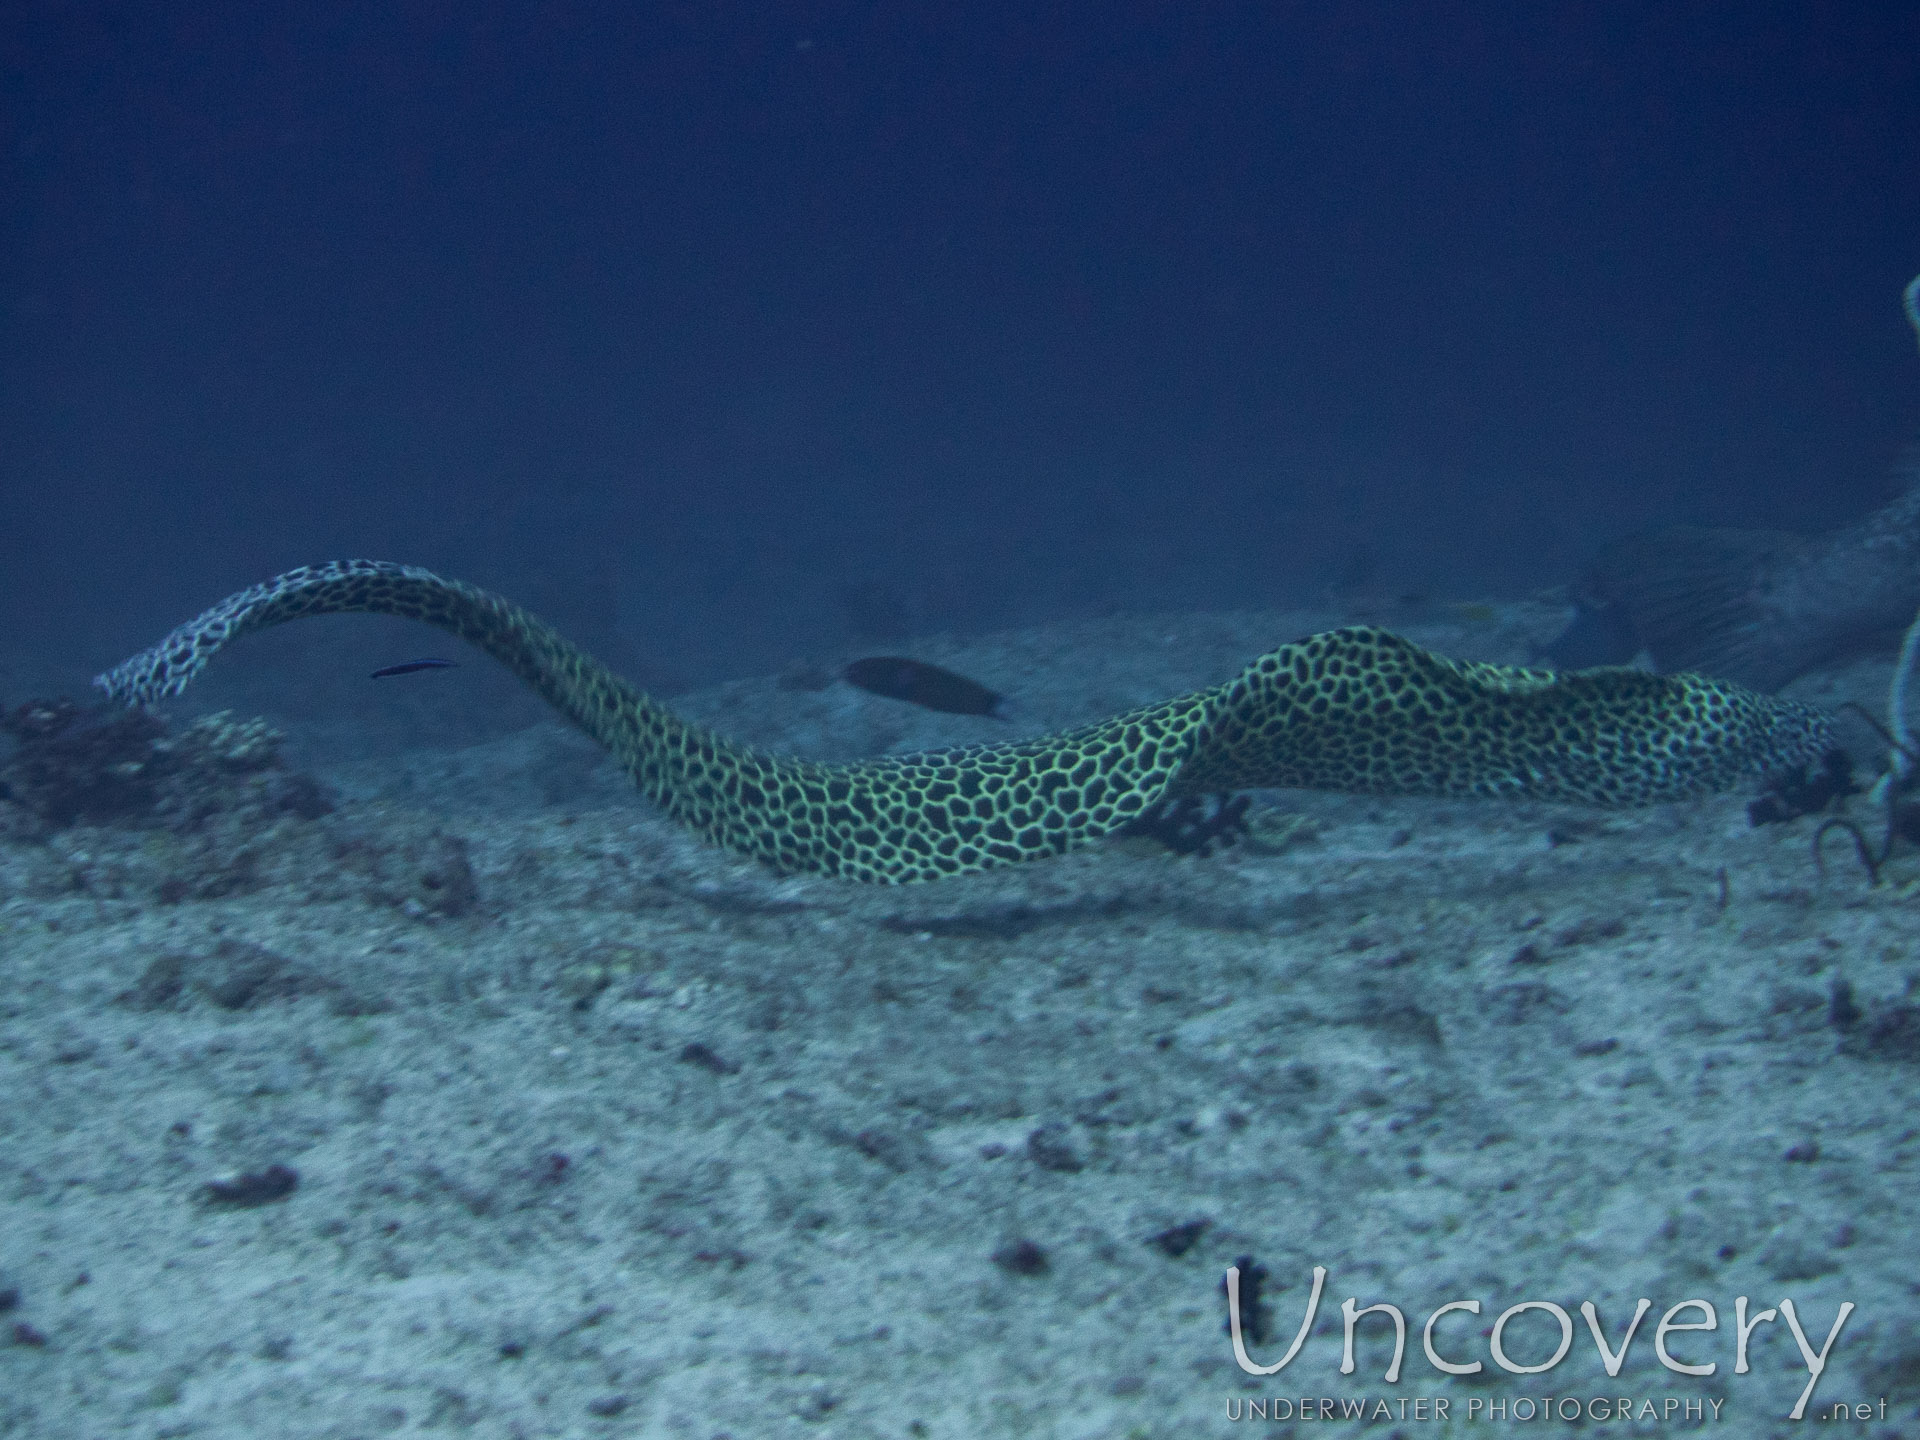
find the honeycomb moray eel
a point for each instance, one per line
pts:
(1357, 710)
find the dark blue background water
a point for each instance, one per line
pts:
(717, 335)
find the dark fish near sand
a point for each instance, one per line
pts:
(1759, 606)
(409, 667)
(919, 683)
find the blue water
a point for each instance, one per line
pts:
(688, 327)
(736, 343)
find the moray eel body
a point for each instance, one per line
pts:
(1357, 709)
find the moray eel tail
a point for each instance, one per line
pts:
(1356, 709)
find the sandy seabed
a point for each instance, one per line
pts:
(599, 1131)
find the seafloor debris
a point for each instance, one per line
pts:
(1022, 1257)
(1889, 1030)
(444, 883)
(254, 1187)
(239, 975)
(696, 1052)
(1269, 829)
(209, 811)
(1176, 1240)
(69, 765)
(1193, 824)
(1805, 791)
(1902, 823)
(1051, 1148)
(74, 766)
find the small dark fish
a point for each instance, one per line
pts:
(408, 667)
(919, 683)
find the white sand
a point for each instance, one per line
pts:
(649, 1141)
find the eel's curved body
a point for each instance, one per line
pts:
(1357, 710)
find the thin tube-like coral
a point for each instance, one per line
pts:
(1900, 764)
